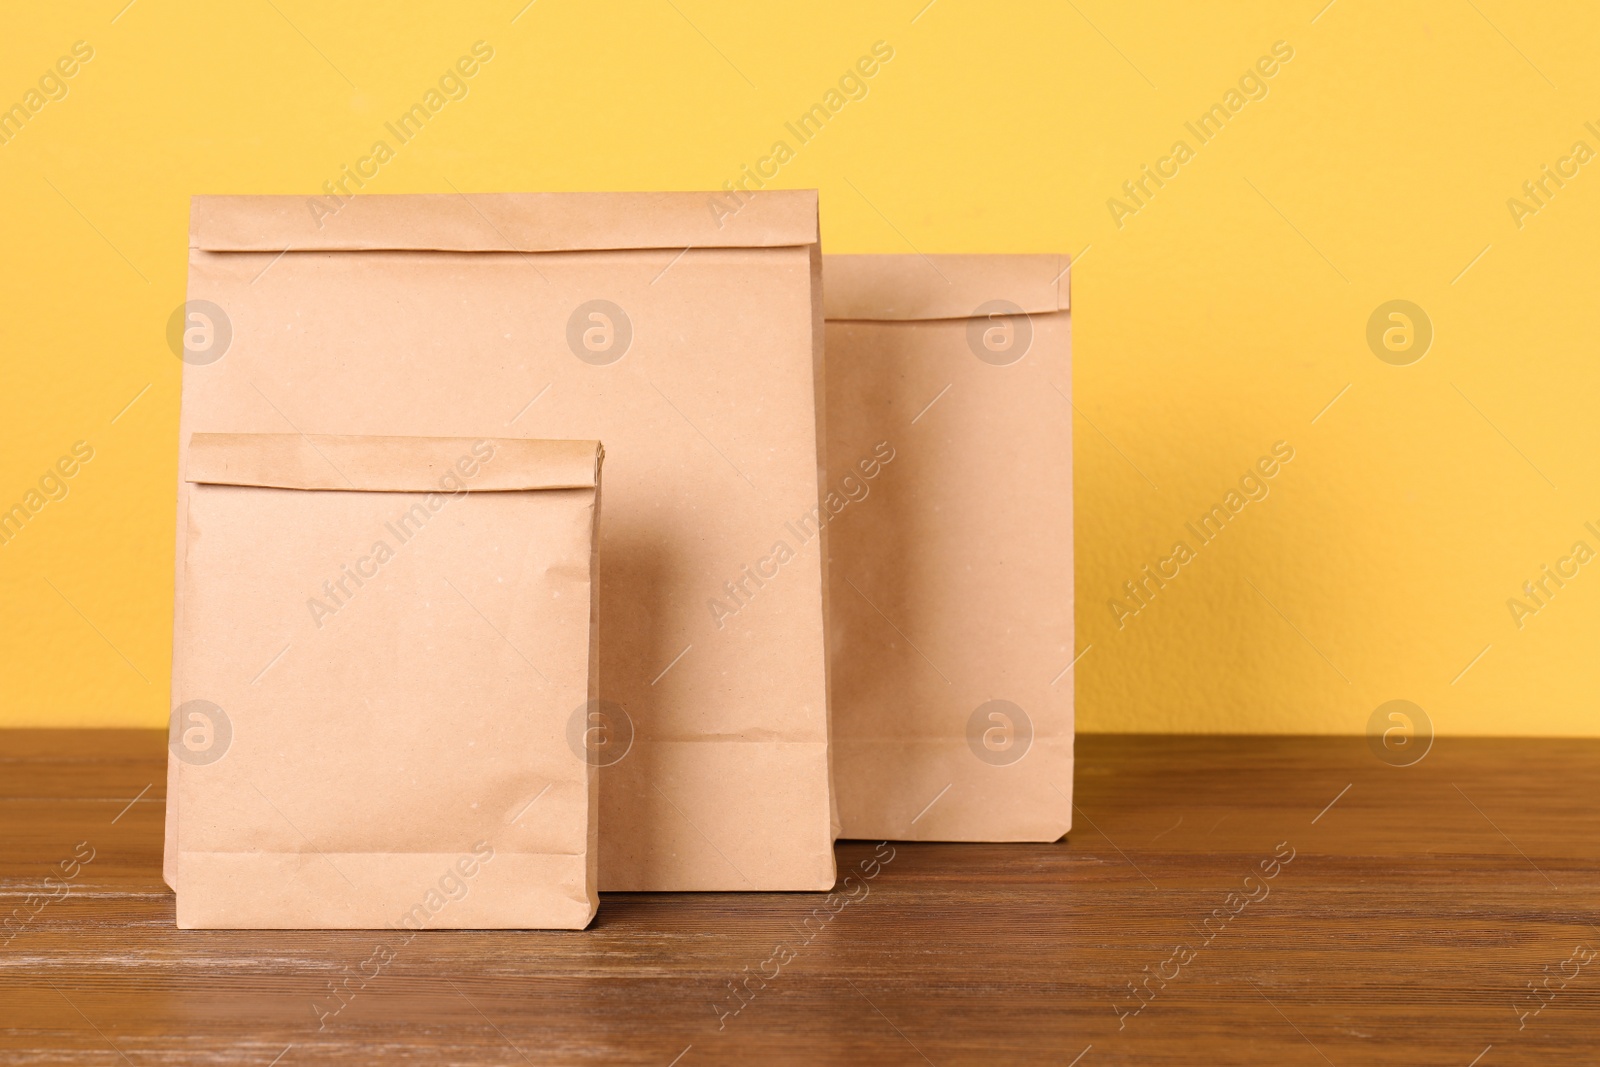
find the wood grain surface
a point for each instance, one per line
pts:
(1221, 900)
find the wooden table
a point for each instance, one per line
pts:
(1220, 900)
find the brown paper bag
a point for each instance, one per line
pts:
(385, 645)
(949, 446)
(688, 339)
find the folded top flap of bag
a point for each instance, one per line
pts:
(504, 222)
(392, 464)
(898, 288)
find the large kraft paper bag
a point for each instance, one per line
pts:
(384, 643)
(687, 339)
(949, 449)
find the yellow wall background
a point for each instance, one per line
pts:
(1222, 316)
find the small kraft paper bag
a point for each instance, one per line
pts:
(383, 674)
(949, 491)
(682, 329)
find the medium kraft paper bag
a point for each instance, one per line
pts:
(949, 448)
(684, 335)
(384, 667)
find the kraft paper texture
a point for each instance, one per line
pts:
(383, 645)
(689, 341)
(949, 449)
